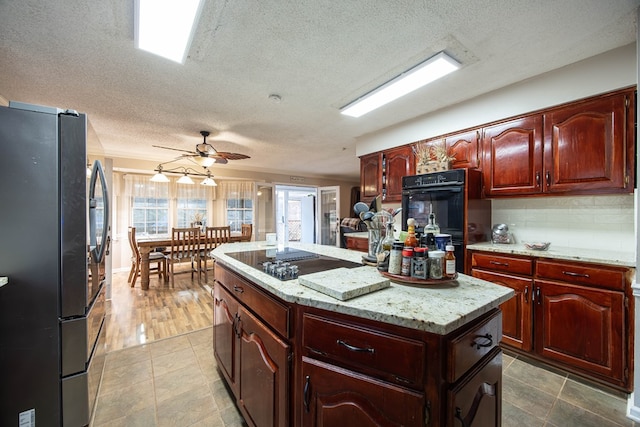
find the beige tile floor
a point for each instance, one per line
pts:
(174, 381)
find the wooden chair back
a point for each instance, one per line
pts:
(247, 230)
(135, 251)
(216, 236)
(185, 243)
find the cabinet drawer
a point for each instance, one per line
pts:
(468, 348)
(387, 356)
(586, 274)
(274, 313)
(509, 264)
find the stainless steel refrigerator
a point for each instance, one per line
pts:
(54, 234)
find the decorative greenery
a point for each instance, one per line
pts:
(198, 217)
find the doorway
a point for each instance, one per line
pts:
(295, 214)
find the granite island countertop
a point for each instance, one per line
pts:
(438, 309)
(597, 255)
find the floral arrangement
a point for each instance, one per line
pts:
(198, 217)
(432, 151)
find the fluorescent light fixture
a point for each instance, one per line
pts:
(185, 179)
(432, 69)
(166, 27)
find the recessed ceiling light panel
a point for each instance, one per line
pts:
(432, 69)
(166, 27)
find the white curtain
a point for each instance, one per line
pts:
(229, 190)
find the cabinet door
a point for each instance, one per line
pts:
(582, 327)
(333, 396)
(585, 146)
(513, 157)
(225, 340)
(398, 162)
(264, 373)
(477, 400)
(517, 328)
(464, 148)
(370, 176)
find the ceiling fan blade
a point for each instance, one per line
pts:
(220, 160)
(231, 156)
(171, 148)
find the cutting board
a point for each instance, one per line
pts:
(345, 283)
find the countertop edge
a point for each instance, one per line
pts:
(599, 256)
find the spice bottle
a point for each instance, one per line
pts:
(436, 264)
(395, 258)
(407, 256)
(419, 264)
(411, 240)
(450, 262)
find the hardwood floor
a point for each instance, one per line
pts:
(138, 317)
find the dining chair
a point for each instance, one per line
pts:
(214, 237)
(247, 230)
(156, 258)
(185, 244)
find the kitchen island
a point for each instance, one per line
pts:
(403, 355)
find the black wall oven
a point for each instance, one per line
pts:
(454, 198)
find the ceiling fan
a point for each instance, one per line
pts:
(205, 155)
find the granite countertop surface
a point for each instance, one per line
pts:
(596, 255)
(439, 309)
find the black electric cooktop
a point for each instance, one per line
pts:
(289, 263)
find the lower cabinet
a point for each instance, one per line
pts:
(477, 400)
(576, 316)
(333, 396)
(253, 359)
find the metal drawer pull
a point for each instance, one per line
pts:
(504, 264)
(305, 394)
(570, 273)
(313, 350)
(353, 348)
(238, 289)
(526, 294)
(489, 343)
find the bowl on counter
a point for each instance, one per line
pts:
(537, 246)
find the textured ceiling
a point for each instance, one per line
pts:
(317, 55)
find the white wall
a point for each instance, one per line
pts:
(603, 73)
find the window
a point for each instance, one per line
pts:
(239, 211)
(149, 205)
(191, 201)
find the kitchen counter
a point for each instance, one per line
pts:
(358, 234)
(438, 309)
(598, 256)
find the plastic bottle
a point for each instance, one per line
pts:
(450, 262)
(407, 256)
(411, 240)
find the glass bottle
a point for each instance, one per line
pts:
(419, 264)
(411, 240)
(430, 231)
(450, 262)
(436, 264)
(395, 258)
(407, 256)
(387, 243)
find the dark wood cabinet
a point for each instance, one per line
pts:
(333, 396)
(254, 360)
(398, 162)
(464, 148)
(370, 176)
(586, 145)
(358, 243)
(512, 154)
(477, 401)
(570, 314)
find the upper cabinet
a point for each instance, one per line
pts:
(397, 162)
(463, 147)
(513, 157)
(381, 173)
(370, 176)
(585, 147)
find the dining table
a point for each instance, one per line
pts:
(147, 244)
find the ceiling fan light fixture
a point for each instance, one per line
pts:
(203, 161)
(185, 179)
(159, 177)
(424, 73)
(209, 181)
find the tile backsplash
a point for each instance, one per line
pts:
(576, 222)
